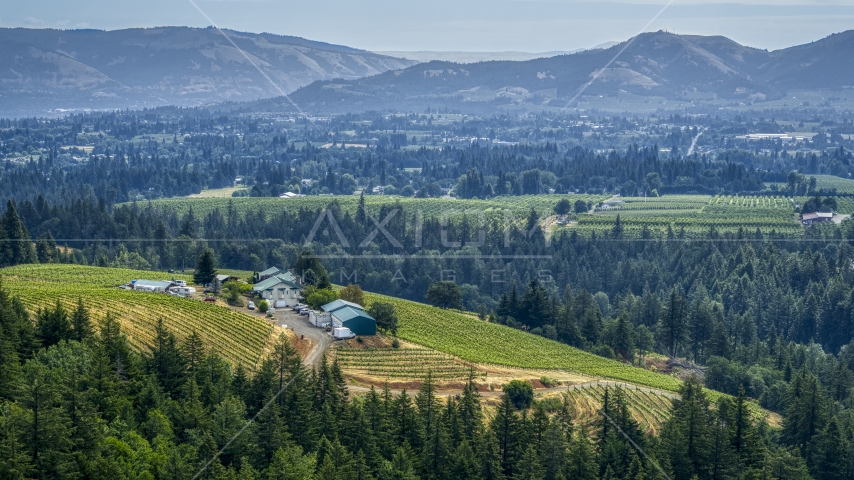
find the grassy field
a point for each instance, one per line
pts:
(476, 341)
(239, 338)
(224, 192)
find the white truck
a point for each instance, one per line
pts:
(342, 333)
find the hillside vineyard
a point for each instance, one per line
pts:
(494, 271)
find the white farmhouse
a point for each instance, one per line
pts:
(280, 290)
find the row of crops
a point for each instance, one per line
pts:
(410, 363)
(649, 409)
(476, 341)
(238, 337)
(430, 207)
(696, 214)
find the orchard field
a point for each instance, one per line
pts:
(519, 205)
(238, 337)
(696, 214)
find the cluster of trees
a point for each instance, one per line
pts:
(134, 156)
(82, 403)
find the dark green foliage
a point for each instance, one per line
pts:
(53, 325)
(205, 268)
(385, 315)
(520, 393)
(81, 324)
(445, 295)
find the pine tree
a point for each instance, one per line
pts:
(53, 326)
(166, 361)
(671, 325)
(505, 427)
(529, 467)
(205, 268)
(18, 247)
(81, 324)
(582, 459)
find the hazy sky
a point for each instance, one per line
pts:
(466, 25)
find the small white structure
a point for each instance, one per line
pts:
(341, 333)
(152, 285)
(816, 217)
(319, 319)
(183, 290)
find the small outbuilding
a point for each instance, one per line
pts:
(816, 217)
(359, 322)
(332, 306)
(152, 285)
(350, 315)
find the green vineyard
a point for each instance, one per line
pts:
(430, 207)
(649, 409)
(409, 363)
(238, 337)
(476, 341)
(696, 214)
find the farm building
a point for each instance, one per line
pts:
(221, 280)
(816, 217)
(350, 315)
(280, 290)
(152, 285)
(267, 274)
(332, 306)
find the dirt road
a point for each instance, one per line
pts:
(299, 324)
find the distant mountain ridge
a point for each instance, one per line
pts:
(472, 57)
(683, 67)
(47, 69)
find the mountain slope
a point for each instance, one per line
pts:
(680, 67)
(43, 69)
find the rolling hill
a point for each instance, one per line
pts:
(47, 70)
(239, 338)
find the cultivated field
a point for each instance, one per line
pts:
(694, 213)
(476, 341)
(349, 203)
(238, 337)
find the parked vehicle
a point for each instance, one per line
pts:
(210, 298)
(180, 283)
(251, 306)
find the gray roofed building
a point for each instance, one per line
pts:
(152, 285)
(333, 306)
(359, 322)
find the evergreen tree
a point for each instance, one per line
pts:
(165, 361)
(17, 248)
(671, 325)
(53, 326)
(205, 268)
(81, 324)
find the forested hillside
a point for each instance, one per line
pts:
(82, 404)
